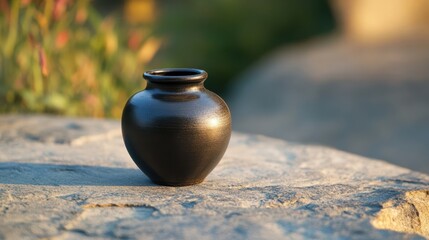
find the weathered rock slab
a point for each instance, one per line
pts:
(65, 178)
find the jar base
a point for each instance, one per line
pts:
(177, 184)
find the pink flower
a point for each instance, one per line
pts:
(25, 2)
(134, 40)
(59, 8)
(81, 15)
(4, 8)
(61, 39)
(42, 62)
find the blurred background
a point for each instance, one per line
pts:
(351, 74)
(86, 57)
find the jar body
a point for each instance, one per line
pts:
(176, 133)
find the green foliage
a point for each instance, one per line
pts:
(63, 57)
(225, 36)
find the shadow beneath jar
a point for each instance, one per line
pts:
(70, 175)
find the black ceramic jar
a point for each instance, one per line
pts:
(176, 131)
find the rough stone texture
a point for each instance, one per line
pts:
(367, 99)
(64, 178)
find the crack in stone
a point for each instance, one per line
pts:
(409, 213)
(105, 217)
(120, 205)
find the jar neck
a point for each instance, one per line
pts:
(175, 87)
(176, 79)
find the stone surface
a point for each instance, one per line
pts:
(64, 178)
(367, 99)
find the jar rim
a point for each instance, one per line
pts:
(175, 75)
